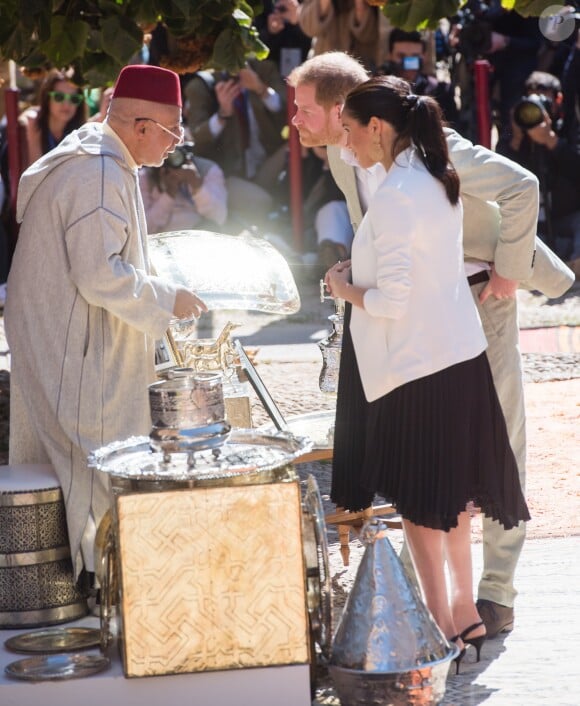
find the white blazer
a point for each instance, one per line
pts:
(419, 316)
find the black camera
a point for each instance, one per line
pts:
(183, 154)
(394, 68)
(529, 110)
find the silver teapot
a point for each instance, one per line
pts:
(331, 346)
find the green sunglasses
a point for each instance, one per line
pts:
(59, 97)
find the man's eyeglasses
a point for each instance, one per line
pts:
(74, 98)
(179, 137)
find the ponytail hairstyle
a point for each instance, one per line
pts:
(415, 119)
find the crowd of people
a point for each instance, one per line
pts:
(239, 122)
(425, 235)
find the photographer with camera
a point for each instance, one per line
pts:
(508, 41)
(185, 193)
(406, 59)
(538, 143)
(279, 28)
(237, 121)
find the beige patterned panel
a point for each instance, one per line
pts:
(212, 578)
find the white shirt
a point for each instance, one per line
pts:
(369, 180)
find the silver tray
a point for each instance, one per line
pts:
(52, 640)
(56, 667)
(246, 451)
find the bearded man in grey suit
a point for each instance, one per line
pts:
(501, 251)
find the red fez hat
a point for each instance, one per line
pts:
(148, 83)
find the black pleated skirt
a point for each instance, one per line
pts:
(429, 446)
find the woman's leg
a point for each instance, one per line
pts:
(457, 551)
(427, 549)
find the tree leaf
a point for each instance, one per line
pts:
(67, 40)
(228, 51)
(99, 69)
(121, 38)
(410, 15)
(532, 8)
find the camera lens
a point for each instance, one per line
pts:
(175, 159)
(529, 112)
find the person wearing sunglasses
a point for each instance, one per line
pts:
(61, 109)
(84, 307)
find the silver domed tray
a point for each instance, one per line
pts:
(57, 667)
(231, 272)
(52, 640)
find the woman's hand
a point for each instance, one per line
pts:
(337, 279)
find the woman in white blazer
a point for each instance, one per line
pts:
(418, 420)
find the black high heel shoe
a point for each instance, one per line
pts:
(477, 642)
(461, 655)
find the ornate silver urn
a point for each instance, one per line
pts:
(188, 412)
(331, 346)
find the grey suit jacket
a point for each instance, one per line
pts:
(500, 215)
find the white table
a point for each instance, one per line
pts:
(272, 686)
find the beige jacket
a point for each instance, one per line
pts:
(499, 225)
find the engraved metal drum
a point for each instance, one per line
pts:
(37, 585)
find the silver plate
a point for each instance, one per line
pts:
(54, 640)
(245, 451)
(56, 667)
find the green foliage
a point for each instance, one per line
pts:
(419, 14)
(423, 14)
(98, 37)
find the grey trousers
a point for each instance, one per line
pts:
(501, 548)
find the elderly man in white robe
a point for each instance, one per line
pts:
(84, 308)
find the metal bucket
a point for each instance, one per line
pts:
(37, 585)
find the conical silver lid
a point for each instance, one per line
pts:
(385, 626)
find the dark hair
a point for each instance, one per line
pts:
(415, 119)
(79, 118)
(399, 35)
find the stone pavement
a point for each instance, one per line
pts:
(536, 664)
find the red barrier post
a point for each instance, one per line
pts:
(14, 157)
(295, 171)
(13, 141)
(481, 71)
